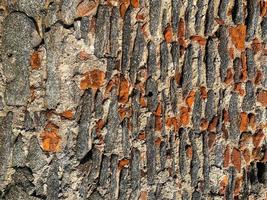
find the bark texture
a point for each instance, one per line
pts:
(133, 99)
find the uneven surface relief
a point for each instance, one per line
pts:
(133, 99)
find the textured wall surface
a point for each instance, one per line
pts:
(133, 99)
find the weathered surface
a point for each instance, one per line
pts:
(137, 99)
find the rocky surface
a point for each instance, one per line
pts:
(133, 99)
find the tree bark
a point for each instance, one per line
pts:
(140, 99)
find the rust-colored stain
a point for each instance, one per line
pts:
(223, 184)
(158, 110)
(199, 39)
(35, 60)
(239, 89)
(124, 6)
(68, 114)
(259, 77)
(262, 97)
(50, 139)
(243, 121)
(232, 53)
(229, 76)
(238, 36)
(184, 117)
(190, 98)
(204, 124)
(236, 159)
(168, 34)
(123, 163)
(158, 123)
(93, 79)
(135, 3)
(124, 90)
(189, 151)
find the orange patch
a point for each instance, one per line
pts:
(92, 79)
(122, 112)
(239, 89)
(189, 152)
(258, 77)
(226, 160)
(35, 60)
(168, 34)
(232, 53)
(223, 184)
(236, 159)
(123, 163)
(238, 35)
(199, 39)
(158, 110)
(175, 123)
(262, 97)
(190, 98)
(142, 101)
(135, 3)
(124, 90)
(50, 138)
(68, 114)
(243, 121)
(123, 7)
(184, 117)
(158, 123)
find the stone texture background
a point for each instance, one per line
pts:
(133, 99)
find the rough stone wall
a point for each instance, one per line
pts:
(140, 99)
